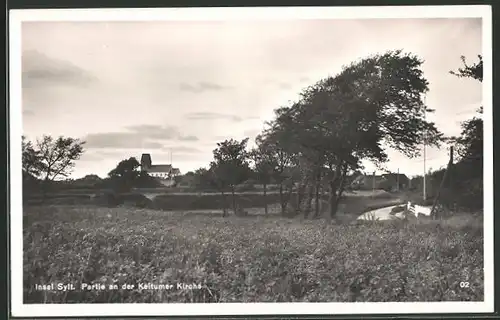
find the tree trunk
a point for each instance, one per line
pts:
(336, 189)
(234, 200)
(333, 199)
(300, 197)
(45, 188)
(264, 187)
(308, 204)
(282, 200)
(224, 207)
(285, 198)
(317, 195)
(288, 195)
(340, 190)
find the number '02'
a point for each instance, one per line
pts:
(464, 284)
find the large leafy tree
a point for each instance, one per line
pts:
(55, 157)
(280, 150)
(203, 179)
(126, 169)
(469, 149)
(371, 105)
(470, 142)
(230, 166)
(264, 164)
(125, 175)
(31, 161)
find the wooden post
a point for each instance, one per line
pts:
(398, 181)
(373, 185)
(450, 174)
(450, 163)
(424, 191)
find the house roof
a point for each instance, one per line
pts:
(159, 168)
(395, 175)
(166, 168)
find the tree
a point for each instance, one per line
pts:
(371, 105)
(474, 71)
(57, 157)
(31, 161)
(469, 144)
(203, 179)
(263, 165)
(125, 174)
(469, 148)
(230, 166)
(277, 144)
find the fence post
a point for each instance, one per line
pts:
(450, 163)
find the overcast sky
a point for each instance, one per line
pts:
(133, 87)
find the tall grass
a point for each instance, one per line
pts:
(246, 260)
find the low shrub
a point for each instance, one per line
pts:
(107, 199)
(211, 201)
(135, 200)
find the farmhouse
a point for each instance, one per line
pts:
(395, 178)
(164, 172)
(388, 181)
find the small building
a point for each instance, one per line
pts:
(388, 182)
(395, 178)
(165, 173)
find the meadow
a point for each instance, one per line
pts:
(246, 259)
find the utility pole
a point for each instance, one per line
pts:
(425, 142)
(373, 185)
(397, 177)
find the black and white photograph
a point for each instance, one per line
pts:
(245, 161)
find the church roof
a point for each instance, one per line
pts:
(159, 168)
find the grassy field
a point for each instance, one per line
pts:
(352, 202)
(253, 259)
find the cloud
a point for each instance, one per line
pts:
(161, 132)
(188, 138)
(252, 133)
(102, 154)
(119, 140)
(201, 87)
(182, 149)
(40, 69)
(213, 116)
(155, 131)
(284, 85)
(138, 136)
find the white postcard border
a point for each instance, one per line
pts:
(270, 13)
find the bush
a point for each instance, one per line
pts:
(211, 201)
(135, 200)
(107, 199)
(246, 187)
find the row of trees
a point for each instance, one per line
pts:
(318, 141)
(47, 160)
(464, 183)
(371, 105)
(313, 144)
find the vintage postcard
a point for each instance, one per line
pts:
(246, 161)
